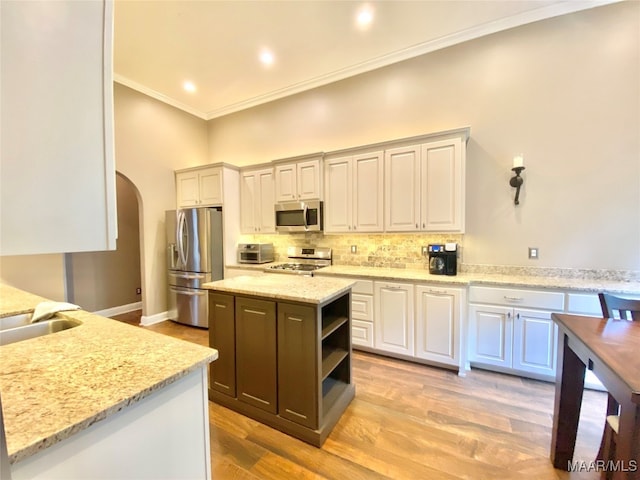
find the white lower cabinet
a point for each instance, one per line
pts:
(394, 322)
(362, 314)
(535, 342)
(490, 335)
(402, 319)
(518, 339)
(437, 324)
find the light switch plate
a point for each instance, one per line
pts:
(534, 253)
(425, 250)
(354, 249)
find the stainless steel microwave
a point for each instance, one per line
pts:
(299, 216)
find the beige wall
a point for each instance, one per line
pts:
(563, 92)
(152, 140)
(102, 280)
(39, 274)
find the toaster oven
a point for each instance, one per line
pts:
(255, 252)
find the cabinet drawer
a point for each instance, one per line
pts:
(362, 333)
(362, 307)
(363, 286)
(517, 297)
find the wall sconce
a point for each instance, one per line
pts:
(517, 181)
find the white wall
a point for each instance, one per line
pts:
(564, 92)
(152, 140)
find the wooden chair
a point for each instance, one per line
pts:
(614, 307)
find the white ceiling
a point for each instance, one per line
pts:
(158, 44)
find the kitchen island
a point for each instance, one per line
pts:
(103, 400)
(284, 344)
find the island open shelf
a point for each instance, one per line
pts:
(282, 361)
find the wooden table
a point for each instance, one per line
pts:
(611, 349)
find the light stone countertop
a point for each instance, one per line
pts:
(278, 286)
(58, 385)
(467, 279)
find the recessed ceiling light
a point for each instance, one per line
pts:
(189, 86)
(266, 57)
(364, 17)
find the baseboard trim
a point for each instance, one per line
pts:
(145, 321)
(110, 312)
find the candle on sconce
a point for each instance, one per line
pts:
(518, 161)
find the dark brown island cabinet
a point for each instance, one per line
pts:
(286, 364)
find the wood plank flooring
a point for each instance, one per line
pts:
(408, 421)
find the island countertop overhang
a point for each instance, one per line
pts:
(58, 385)
(296, 288)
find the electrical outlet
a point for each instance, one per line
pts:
(354, 249)
(138, 291)
(425, 250)
(534, 253)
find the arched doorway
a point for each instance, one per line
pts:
(110, 282)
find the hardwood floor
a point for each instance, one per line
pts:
(408, 421)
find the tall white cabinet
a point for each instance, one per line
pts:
(354, 193)
(57, 161)
(257, 192)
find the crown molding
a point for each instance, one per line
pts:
(542, 13)
(158, 96)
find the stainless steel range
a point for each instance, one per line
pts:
(303, 260)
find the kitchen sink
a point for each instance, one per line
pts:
(29, 330)
(14, 321)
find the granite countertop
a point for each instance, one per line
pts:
(297, 288)
(466, 279)
(57, 385)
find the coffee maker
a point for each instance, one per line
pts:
(443, 259)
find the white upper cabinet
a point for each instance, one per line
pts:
(199, 187)
(424, 185)
(354, 193)
(402, 189)
(58, 169)
(299, 180)
(441, 186)
(257, 201)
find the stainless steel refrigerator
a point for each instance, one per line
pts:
(194, 245)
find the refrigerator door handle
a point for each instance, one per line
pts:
(192, 293)
(189, 276)
(181, 245)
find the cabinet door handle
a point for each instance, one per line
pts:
(219, 305)
(255, 312)
(295, 319)
(417, 226)
(354, 227)
(513, 299)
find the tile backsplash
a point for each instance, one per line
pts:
(374, 250)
